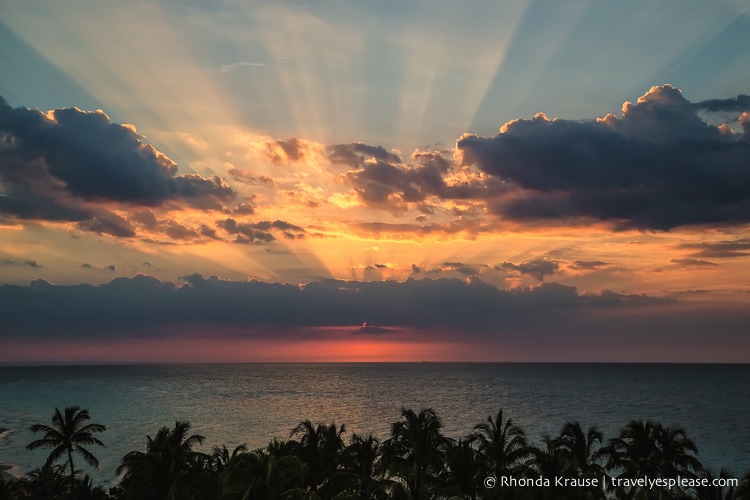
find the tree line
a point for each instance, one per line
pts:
(416, 461)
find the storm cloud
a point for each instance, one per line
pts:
(658, 166)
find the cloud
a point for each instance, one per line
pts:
(27, 262)
(549, 321)
(658, 166)
(226, 68)
(720, 249)
(467, 227)
(110, 267)
(739, 103)
(261, 232)
(66, 164)
(537, 268)
(428, 175)
(693, 263)
(293, 150)
(144, 301)
(354, 155)
(587, 264)
(459, 267)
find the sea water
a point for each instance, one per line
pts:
(253, 403)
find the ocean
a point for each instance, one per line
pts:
(233, 404)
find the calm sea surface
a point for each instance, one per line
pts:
(252, 403)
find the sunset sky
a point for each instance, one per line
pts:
(374, 181)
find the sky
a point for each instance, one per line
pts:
(229, 181)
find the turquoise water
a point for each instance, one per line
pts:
(252, 403)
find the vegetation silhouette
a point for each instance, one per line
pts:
(68, 434)
(415, 462)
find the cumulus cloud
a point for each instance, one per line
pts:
(66, 164)
(658, 166)
(428, 175)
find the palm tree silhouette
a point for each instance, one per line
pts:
(583, 449)
(362, 462)
(321, 448)
(462, 476)
(68, 434)
(648, 449)
(162, 471)
(415, 451)
(501, 445)
(262, 474)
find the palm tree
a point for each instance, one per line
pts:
(262, 474)
(362, 461)
(715, 492)
(321, 449)
(220, 456)
(583, 450)
(68, 433)
(549, 462)
(462, 475)
(648, 449)
(501, 445)
(161, 473)
(415, 451)
(583, 454)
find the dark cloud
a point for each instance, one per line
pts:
(145, 301)
(244, 209)
(208, 232)
(382, 229)
(279, 151)
(537, 268)
(549, 318)
(248, 177)
(587, 264)
(459, 267)
(732, 248)
(105, 222)
(355, 154)
(110, 267)
(659, 166)
(58, 166)
(261, 232)
(27, 262)
(145, 217)
(391, 185)
(693, 263)
(177, 231)
(369, 329)
(739, 103)
(246, 233)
